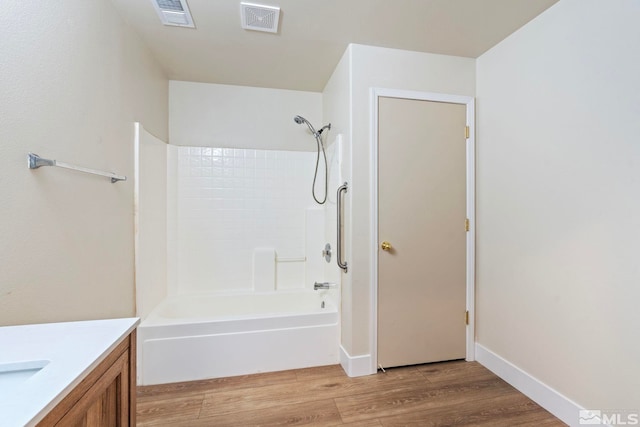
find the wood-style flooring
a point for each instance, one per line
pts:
(439, 394)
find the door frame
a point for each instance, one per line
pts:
(469, 102)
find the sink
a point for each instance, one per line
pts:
(14, 374)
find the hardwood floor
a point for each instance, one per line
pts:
(440, 394)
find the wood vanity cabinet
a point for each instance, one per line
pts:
(106, 397)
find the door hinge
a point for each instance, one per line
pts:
(466, 317)
(466, 132)
(466, 224)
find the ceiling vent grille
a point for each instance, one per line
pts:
(259, 17)
(174, 12)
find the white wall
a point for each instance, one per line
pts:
(388, 68)
(73, 80)
(558, 206)
(213, 115)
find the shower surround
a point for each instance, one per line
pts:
(243, 220)
(244, 240)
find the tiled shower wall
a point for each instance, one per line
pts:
(232, 201)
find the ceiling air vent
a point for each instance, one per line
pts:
(174, 12)
(259, 17)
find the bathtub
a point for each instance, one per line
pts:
(194, 337)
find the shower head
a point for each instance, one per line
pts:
(318, 136)
(300, 120)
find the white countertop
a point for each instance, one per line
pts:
(72, 350)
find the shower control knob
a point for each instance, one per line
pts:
(326, 252)
(385, 246)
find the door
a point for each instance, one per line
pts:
(421, 227)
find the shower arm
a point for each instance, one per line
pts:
(327, 127)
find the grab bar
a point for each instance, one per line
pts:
(35, 161)
(342, 265)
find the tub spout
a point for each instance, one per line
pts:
(323, 285)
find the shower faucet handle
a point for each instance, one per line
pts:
(326, 252)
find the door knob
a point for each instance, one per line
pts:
(385, 246)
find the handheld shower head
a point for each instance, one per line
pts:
(300, 120)
(318, 136)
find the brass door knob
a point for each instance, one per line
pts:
(385, 246)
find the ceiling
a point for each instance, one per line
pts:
(313, 35)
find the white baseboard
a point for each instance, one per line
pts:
(355, 366)
(559, 405)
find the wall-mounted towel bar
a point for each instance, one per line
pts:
(36, 161)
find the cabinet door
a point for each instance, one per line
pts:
(106, 403)
(105, 397)
(104, 411)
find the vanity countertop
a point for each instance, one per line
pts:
(65, 352)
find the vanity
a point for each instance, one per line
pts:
(68, 374)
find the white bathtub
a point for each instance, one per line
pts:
(192, 337)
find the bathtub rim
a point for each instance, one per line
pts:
(154, 318)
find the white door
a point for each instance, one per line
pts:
(422, 248)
